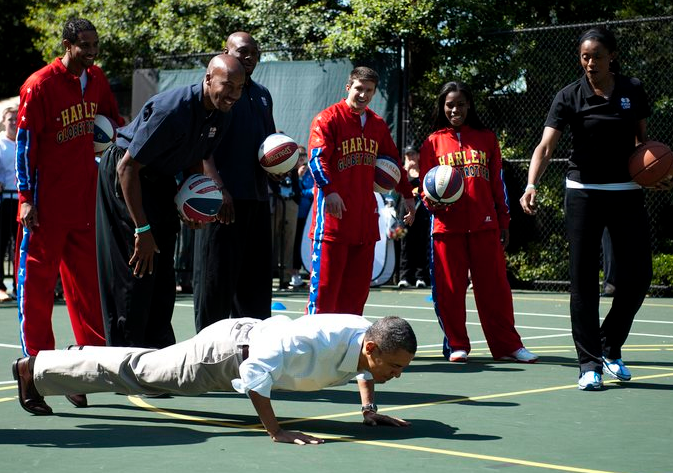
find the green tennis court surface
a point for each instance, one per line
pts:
(483, 416)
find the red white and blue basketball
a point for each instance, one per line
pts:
(104, 133)
(443, 184)
(278, 154)
(386, 174)
(199, 198)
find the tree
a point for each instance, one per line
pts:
(18, 56)
(138, 30)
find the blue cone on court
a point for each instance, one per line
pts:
(278, 306)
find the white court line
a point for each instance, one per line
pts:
(5, 345)
(484, 341)
(474, 311)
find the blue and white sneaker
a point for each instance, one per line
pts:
(590, 381)
(616, 369)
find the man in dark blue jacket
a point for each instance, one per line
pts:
(232, 257)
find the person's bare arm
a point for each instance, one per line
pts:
(268, 417)
(538, 164)
(142, 260)
(372, 418)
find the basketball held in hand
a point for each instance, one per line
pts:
(443, 184)
(198, 198)
(651, 163)
(387, 174)
(104, 133)
(278, 154)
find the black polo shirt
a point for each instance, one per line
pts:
(173, 131)
(236, 157)
(603, 131)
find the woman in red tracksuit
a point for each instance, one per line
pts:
(470, 235)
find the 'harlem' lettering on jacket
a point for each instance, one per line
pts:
(359, 144)
(472, 161)
(78, 112)
(463, 158)
(77, 120)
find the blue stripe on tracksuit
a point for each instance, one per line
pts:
(24, 182)
(20, 286)
(446, 348)
(23, 178)
(320, 179)
(504, 189)
(316, 169)
(316, 250)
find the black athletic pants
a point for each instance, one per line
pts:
(415, 248)
(233, 267)
(587, 213)
(137, 312)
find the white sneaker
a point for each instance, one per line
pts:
(590, 381)
(458, 356)
(403, 284)
(420, 284)
(296, 281)
(522, 356)
(616, 369)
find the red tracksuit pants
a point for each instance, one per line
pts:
(340, 277)
(40, 255)
(453, 254)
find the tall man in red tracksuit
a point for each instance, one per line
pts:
(344, 141)
(56, 174)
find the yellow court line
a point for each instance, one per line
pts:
(514, 461)
(142, 403)
(475, 456)
(7, 388)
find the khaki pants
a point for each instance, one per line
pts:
(206, 362)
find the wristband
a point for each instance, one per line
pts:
(531, 186)
(142, 229)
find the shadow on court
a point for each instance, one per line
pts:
(384, 398)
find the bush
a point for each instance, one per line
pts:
(541, 261)
(662, 267)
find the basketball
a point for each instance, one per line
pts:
(199, 198)
(278, 154)
(386, 174)
(104, 133)
(443, 184)
(650, 163)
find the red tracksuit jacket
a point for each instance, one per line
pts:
(476, 153)
(55, 164)
(341, 158)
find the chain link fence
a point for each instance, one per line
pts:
(548, 60)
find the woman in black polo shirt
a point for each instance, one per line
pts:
(607, 113)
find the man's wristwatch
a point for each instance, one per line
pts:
(370, 408)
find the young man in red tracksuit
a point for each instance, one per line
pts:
(344, 141)
(471, 233)
(56, 174)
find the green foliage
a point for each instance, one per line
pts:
(541, 261)
(444, 38)
(662, 267)
(137, 28)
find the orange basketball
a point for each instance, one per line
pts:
(650, 163)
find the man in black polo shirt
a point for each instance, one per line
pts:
(232, 260)
(136, 218)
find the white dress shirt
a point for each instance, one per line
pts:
(7, 162)
(304, 354)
